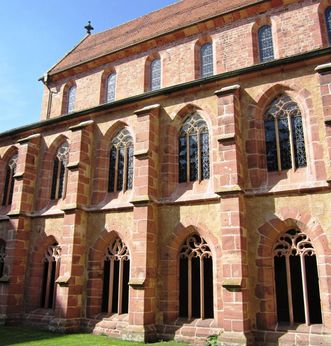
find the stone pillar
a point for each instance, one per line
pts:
(229, 182)
(229, 171)
(19, 225)
(69, 294)
(142, 307)
(325, 88)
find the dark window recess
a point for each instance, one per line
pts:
(206, 58)
(193, 150)
(328, 22)
(266, 47)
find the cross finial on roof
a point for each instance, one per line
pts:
(89, 28)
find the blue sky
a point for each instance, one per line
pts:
(35, 34)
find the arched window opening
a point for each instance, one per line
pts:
(50, 274)
(285, 143)
(296, 278)
(121, 162)
(206, 59)
(71, 99)
(2, 257)
(115, 297)
(194, 150)
(266, 47)
(60, 171)
(328, 22)
(8, 190)
(196, 279)
(155, 70)
(111, 87)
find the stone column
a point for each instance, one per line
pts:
(325, 88)
(229, 182)
(142, 307)
(69, 294)
(19, 226)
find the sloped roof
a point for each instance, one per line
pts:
(156, 23)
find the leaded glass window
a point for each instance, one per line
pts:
(284, 136)
(194, 150)
(115, 297)
(71, 99)
(328, 22)
(60, 171)
(51, 272)
(196, 279)
(111, 85)
(296, 279)
(121, 162)
(8, 190)
(2, 256)
(266, 47)
(206, 59)
(155, 74)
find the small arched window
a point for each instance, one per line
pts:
(285, 144)
(194, 150)
(196, 279)
(296, 279)
(2, 257)
(206, 60)
(71, 99)
(266, 47)
(60, 171)
(328, 22)
(111, 87)
(115, 297)
(8, 190)
(51, 272)
(155, 70)
(121, 162)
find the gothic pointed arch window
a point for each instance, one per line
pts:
(8, 190)
(327, 15)
(2, 257)
(115, 296)
(155, 71)
(296, 279)
(266, 46)
(60, 171)
(284, 135)
(111, 87)
(121, 162)
(196, 279)
(51, 270)
(206, 60)
(194, 150)
(71, 99)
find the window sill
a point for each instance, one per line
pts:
(195, 322)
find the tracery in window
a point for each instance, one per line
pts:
(196, 279)
(60, 171)
(155, 70)
(121, 162)
(115, 297)
(328, 22)
(111, 87)
(266, 47)
(71, 99)
(2, 256)
(296, 278)
(206, 60)
(194, 150)
(51, 272)
(8, 190)
(285, 144)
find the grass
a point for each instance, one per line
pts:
(31, 337)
